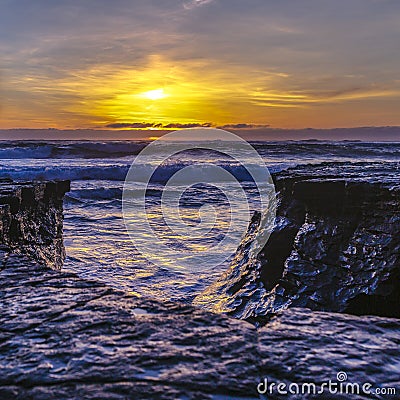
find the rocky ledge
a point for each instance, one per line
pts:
(68, 338)
(31, 219)
(335, 247)
(62, 337)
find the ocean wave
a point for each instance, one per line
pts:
(43, 150)
(118, 149)
(100, 193)
(110, 173)
(342, 149)
(119, 172)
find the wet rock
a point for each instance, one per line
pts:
(335, 247)
(31, 219)
(63, 337)
(302, 346)
(67, 338)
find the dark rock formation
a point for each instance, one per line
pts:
(335, 247)
(31, 219)
(62, 337)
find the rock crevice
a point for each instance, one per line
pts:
(335, 247)
(69, 338)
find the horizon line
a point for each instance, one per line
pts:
(228, 126)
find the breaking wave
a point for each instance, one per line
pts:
(40, 150)
(120, 149)
(118, 172)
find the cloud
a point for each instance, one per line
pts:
(158, 125)
(195, 3)
(146, 125)
(243, 126)
(134, 125)
(189, 125)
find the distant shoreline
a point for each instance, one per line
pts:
(367, 134)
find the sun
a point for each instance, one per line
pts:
(156, 94)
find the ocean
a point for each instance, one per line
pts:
(97, 243)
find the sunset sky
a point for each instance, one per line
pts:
(171, 63)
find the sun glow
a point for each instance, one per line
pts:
(138, 96)
(156, 94)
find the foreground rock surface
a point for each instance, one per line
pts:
(307, 346)
(67, 338)
(63, 337)
(335, 247)
(31, 219)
